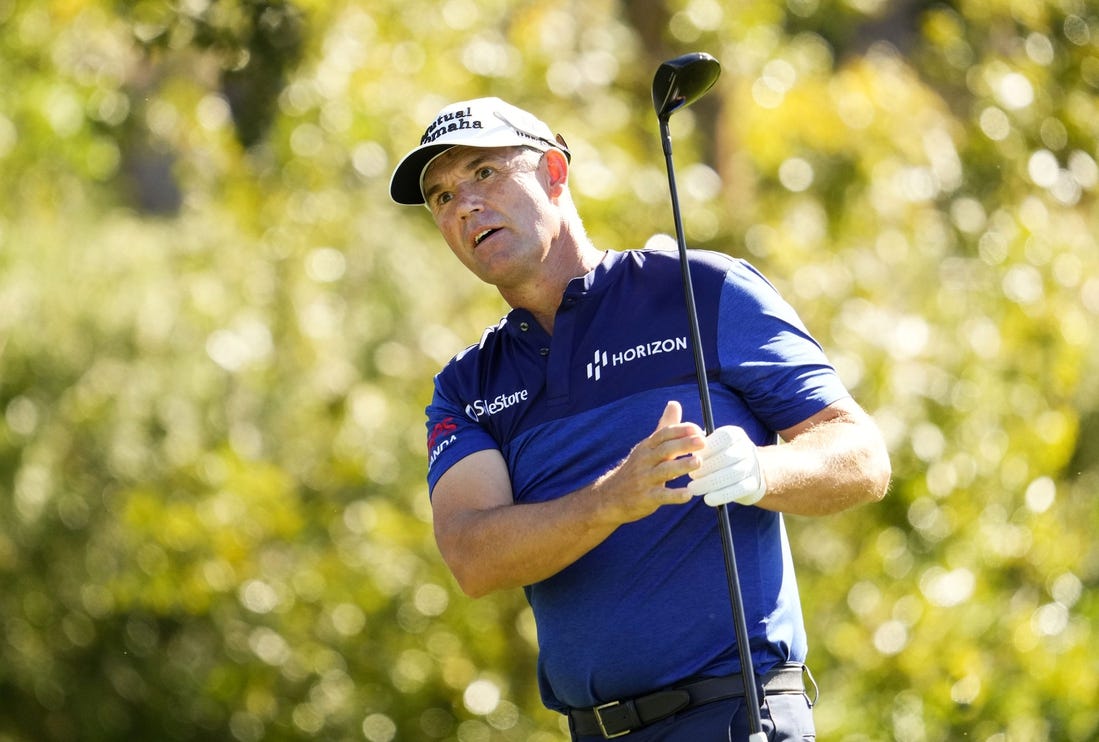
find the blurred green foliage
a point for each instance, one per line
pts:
(217, 337)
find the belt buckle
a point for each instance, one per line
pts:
(599, 720)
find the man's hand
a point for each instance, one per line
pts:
(730, 470)
(637, 486)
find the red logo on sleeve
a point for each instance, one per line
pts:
(446, 427)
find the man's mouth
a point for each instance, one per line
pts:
(482, 236)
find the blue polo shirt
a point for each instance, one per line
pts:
(648, 607)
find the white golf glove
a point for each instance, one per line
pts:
(730, 469)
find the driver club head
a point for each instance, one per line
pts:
(681, 81)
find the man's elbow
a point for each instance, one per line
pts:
(474, 581)
(878, 472)
(471, 584)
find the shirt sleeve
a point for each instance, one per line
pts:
(451, 434)
(768, 356)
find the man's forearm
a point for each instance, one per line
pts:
(516, 545)
(492, 543)
(830, 467)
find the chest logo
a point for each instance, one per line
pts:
(479, 408)
(602, 359)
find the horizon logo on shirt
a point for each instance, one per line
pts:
(602, 359)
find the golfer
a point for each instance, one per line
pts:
(565, 456)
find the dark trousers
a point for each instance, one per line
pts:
(786, 717)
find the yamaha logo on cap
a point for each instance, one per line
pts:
(451, 121)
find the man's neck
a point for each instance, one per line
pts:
(543, 297)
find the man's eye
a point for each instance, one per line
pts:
(484, 172)
(443, 198)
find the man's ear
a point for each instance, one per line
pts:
(557, 169)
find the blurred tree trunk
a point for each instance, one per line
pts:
(650, 18)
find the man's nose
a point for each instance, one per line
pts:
(468, 199)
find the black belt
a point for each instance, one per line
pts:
(619, 718)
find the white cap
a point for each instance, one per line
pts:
(484, 122)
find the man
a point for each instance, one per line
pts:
(564, 456)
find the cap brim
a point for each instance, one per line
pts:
(404, 186)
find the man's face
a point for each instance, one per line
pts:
(493, 208)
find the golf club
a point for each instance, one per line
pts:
(677, 84)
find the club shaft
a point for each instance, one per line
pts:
(688, 288)
(736, 600)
